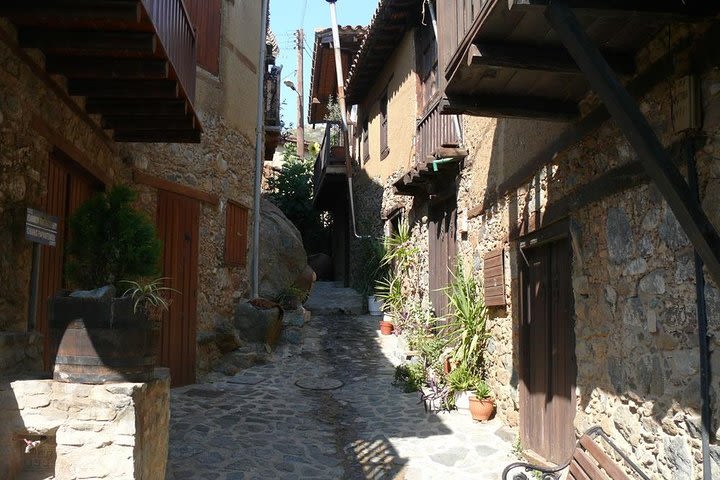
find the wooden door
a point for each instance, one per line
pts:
(178, 218)
(443, 247)
(547, 386)
(68, 186)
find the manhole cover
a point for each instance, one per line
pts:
(316, 383)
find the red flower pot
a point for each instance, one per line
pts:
(481, 409)
(386, 328)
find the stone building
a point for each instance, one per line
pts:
(158, 95)
(594, 311)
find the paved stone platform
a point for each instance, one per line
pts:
(347, 422)
(330, 298)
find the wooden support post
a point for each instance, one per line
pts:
(636, 128)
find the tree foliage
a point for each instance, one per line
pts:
(291, 190)
(110, 241)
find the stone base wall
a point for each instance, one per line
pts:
(114, 431)
(20, 352)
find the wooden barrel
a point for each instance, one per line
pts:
(94, 344)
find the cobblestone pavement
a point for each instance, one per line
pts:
(326, 410)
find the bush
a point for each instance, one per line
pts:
(110, 241)
(411, 376)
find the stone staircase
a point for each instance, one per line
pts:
(328, 298)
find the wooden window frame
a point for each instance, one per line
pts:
(230, 259)
(384, 144)
(206, 17)
(365, 140)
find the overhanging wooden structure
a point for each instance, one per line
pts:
(502, 57)
(133, 61)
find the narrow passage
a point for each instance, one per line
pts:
(327, 410)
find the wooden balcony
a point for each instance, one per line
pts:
(330, 173)
(502, 59)
(437, 154)
(133, 61)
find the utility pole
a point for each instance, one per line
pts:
(300, 73)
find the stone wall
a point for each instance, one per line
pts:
(30, 112)
(222, 165)
(114, 431)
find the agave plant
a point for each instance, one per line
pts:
(149, 297)
(467, 328)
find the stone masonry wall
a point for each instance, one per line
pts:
(633, 285)
(24, 101)
(222, 165)
(114, 431)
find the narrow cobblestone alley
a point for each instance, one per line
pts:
(327, 410)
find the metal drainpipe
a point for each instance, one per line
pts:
(456, 118)
(705, 372)
(343, 112)
(259, 147)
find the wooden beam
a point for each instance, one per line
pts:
(151, 107)
(57, 140)
(163, 184)
(146, 122)
(66, 12)
(124, 88)
(657, 8)
(545, 59)
(105, 68)
(53, 86)
(159, 135)
(487, 105)
(640, 134)
(89, 42)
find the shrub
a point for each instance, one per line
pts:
(110, 241)
(411, 376)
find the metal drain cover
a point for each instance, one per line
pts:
(318, 383)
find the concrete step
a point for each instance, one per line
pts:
(328, 298)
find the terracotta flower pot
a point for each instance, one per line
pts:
(481, 409)
(386, 328)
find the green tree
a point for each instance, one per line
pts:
(292, 191)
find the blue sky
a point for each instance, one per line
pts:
(286, 16)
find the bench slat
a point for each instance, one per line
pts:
(603, 459)
(576, 473)
(588, 465)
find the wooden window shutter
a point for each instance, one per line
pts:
(494, 279)
(384, 148)
(365, 141)
(205, 16)
(236, 234)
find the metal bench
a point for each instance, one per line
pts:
(588, 462)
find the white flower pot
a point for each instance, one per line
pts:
(462, 400)
(375, 306)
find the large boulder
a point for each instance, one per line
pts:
(283, 260)
(258, 321)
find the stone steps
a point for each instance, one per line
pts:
(327, 298)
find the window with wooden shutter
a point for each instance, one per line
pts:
(205, 16)
(236, 234)
(494, 279)
(365, 142)
(384, 148)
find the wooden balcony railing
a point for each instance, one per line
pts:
(434, 131)
(177, 37)
(332, 154)
(455, 21)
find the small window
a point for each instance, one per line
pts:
(236, 234)
(365, 141)
(384, 148)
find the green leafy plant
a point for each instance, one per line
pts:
(389, 290)
(481, 389)
(411, 376)
(467, 328)
(149, 297)
(399, 254)
(461, 380)
(111, 241)
(373, 270)
(291, 190)
(431, 348)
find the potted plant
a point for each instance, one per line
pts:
(96, 335)
(399, 254)
(462, 383)
(374, 270)
(481, 403)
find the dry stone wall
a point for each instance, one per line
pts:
(114, 431)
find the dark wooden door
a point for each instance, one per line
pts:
(443, 247)
(178, 219)
(547, 387)
(68, 186)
